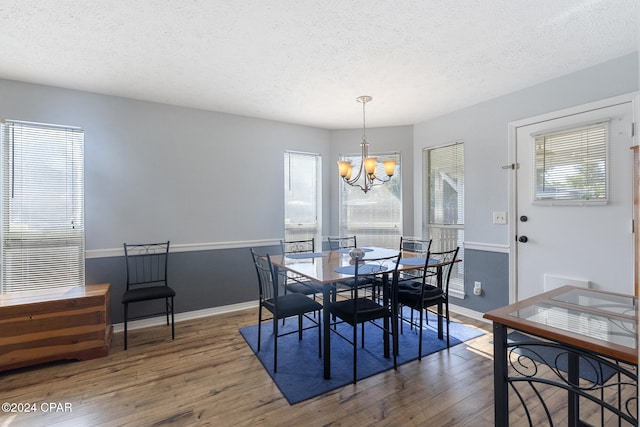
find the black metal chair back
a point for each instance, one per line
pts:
(336, 243)
(411, 247)
(146, 264)
(297, 246)
(295, 282)
(448, 259)
(264, 270)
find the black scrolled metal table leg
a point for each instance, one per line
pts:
(500, 386)
(573, 398)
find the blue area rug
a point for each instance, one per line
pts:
(590, 369)
(300, 370)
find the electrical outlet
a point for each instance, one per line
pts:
(499, 217)
(477, 288)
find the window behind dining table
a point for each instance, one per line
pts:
(302, 196)
(42, 222)
(375, 217)
(443, 222)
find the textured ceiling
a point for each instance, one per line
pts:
(306, 61)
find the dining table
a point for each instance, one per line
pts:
(589, 330)
(333, 267)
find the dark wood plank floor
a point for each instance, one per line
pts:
(209, 376)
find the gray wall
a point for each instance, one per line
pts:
(483, 128)
(157, 172)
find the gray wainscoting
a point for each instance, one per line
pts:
(221, 277)
(490, 268)
(202, 279)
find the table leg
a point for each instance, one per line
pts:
(500, 386)
(326, 319)
(385, 321)
(574, 379)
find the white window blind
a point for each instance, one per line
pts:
(302, 196)
(444, 204)
(42, 206)
(571, 165)
(375, 217)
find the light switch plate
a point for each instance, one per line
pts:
(499, 217)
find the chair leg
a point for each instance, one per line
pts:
(299, 327)
(275, 345)
(422, 312)
(166, 308)
(126, 313)
(319, 334)
(259, 324)
(173, 322)
(447, 314)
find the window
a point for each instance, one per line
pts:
(571, 165)
(374, 217)
(444, 205)
(302, 196)
(42, 206)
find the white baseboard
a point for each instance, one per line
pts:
(180, 317)
(467, 312)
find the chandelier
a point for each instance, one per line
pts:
(368, 165)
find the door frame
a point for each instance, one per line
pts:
(513, 126)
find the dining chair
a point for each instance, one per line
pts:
(295, 282)
(432, 290)
(361, 308)
(282, 306)
(146, 265)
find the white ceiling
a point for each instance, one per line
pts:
(306, 61)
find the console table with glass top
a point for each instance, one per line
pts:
(570, 331)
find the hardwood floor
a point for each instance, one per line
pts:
(209, 376)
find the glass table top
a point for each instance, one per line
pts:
(610, 303)
(604, 325)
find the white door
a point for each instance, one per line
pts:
(571, 242)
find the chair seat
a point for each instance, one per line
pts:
(410, 296)
(366, 308)
(409, 286)
(361, 281)
(305, 288)
(292, 305)
(149, 293)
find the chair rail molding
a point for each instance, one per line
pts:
(188, 247)
(490, 247)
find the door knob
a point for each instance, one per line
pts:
(523, 239)
(524, 218)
